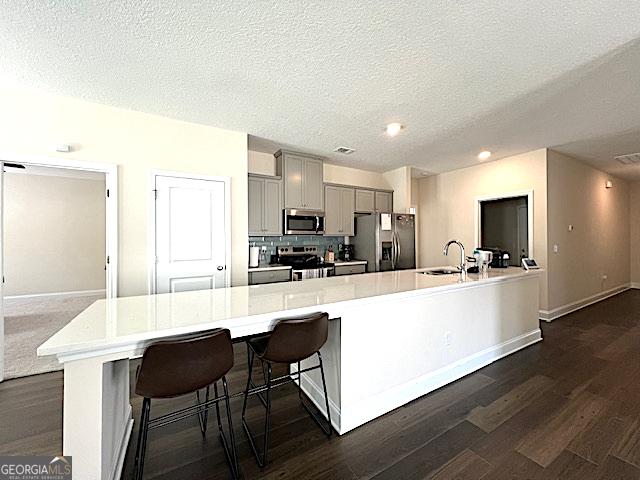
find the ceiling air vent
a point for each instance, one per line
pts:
(630, 159)
(344, 150)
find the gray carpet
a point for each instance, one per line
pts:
(28, 323)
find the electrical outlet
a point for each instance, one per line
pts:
(447, 339)
(605, 277)
(555, 249)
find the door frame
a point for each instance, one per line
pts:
(151, 234)
(505, 196)
(111, 217)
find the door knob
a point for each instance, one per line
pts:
(220, 268)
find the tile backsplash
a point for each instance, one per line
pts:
(274, 242)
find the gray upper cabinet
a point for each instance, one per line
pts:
(256, 210)
(384, 202)
(313, 184)
(365, 200)
(348, 210)
(303, 180)
(273, 207)
(265, 206)
(339, 210)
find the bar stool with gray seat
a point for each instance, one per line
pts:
(292, 340)
(180, 366)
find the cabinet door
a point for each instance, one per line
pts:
(293, 178)
(384, 202)
(333, 211)
(256, 212)
(365, 201)
(272, 207)
(313, 185)
(347, 196)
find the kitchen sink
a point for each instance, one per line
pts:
(440, 271)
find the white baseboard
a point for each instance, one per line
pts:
(77, 293)
(121, 451)
(399, 395)
(635, 285)
(550, 315)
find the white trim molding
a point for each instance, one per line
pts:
(75, 293)
(553, 314)
(635, 285)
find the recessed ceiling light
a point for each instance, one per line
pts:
(393, 129)
(484, 154)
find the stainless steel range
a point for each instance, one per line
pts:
(305, 261)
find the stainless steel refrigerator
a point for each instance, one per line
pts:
(386, 241)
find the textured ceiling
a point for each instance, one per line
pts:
(462, 76)
(600, 152)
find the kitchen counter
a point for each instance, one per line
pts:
(431, 329)
(267, 268)
(130, 321)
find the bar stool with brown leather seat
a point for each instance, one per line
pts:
(291, 341)
(180, 366)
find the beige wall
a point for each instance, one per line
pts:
(400, 182)
(261, 163)
(634, 215)
(32, 122)
(447, 206)
(354, 176)
(54, 234)
(599, 242)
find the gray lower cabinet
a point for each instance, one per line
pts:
(365, 201)
(384, 202)
(349, 269)
(265, 206)
(339, 210)
(269, 276)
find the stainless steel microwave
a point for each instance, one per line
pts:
(303, 222)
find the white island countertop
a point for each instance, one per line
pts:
(130, 322)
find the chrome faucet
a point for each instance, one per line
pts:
(445, 252)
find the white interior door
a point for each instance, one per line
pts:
(1, 271)
(191, 234)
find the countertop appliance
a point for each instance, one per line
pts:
(500, 258)
(305, 261)
(347, 253)
(386, 241)
(303, 222)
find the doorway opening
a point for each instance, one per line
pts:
(59, 243)
(506, 223)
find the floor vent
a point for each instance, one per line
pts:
(344, 150)
(629, 159)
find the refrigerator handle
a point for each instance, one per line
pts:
(394, 250)
(398, 250)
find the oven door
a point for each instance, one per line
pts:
(303, 222)
(308, 273)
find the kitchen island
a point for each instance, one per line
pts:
(394, 336)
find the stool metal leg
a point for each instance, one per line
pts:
(142, 439)
(231, 451)
(203, 416)
(261, 458)
(326, 396)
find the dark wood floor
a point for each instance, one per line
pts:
(566, 408)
